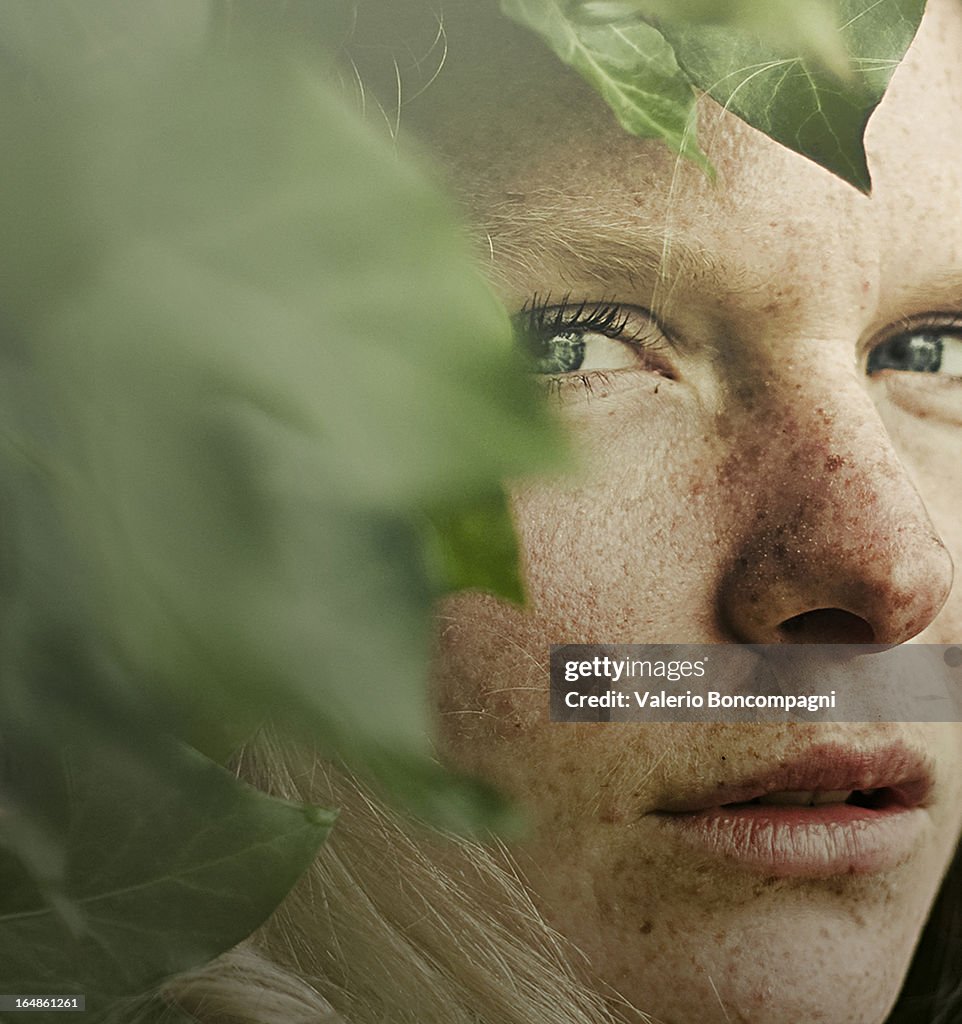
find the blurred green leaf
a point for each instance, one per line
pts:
(98, 43)
(466, 805)
(250, 352)
(328, 23)
(169, 862)
(154, 1011)
(630, 65)
(475, 547)
(242, 348)
(792, 100)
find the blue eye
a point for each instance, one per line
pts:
(926, 351)
(560, 353)
(919, 353)
(571, 338)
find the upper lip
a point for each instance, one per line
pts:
(906, 774)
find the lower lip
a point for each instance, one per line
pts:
(783, 841)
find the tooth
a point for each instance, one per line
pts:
(794, 797)
(806, 798)
(831, 796)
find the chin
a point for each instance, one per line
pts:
(688, 940)
(800, 970)
(785, 955)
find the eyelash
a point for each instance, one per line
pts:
(540, 317)
(933, 324)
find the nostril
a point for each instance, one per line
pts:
(826, 626)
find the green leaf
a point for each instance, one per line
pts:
(249, 347)
(630, 65)
(153, 1011)
(476, 547)
(169, 862)
(793, 100)
(244, 348)
(101, 43)
(810, 28)
(430, 792)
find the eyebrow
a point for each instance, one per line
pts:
(524, 231)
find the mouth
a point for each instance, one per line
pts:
(833, 812)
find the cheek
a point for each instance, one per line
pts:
(928, 446)
(493, 702)
(623, 552)
(570, 779)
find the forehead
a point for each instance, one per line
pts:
(563, 197)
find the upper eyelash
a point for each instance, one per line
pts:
(934, 324)
(542, 317)
(930, 322)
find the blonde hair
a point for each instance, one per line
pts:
(392, 924)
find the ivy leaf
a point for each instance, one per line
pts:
(630, 65)
(244, 347)
(807, 75)
(247, 348)
(156, 1011)
(151, 900)
(476, 547)
(809, 28)
(100, 43)
(790, 98)
(152, 1011)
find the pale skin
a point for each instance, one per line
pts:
(746, 472)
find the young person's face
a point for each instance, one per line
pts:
(769, 452)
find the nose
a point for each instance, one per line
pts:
(834, 543)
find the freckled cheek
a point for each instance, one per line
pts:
(492, 697)
(620, 554)
(928, 448)
(495, 729)
(633, 523)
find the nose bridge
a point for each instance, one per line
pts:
(835, 544)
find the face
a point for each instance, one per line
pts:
(764, 390)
